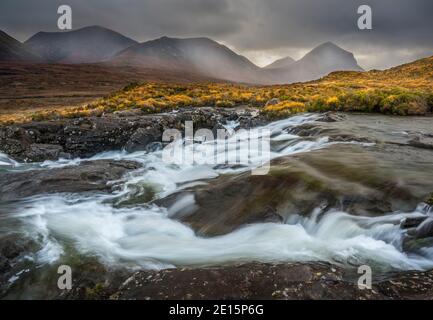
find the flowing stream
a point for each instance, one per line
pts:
(149, 235)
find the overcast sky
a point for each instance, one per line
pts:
(262, 30)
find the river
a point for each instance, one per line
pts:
(338, 192)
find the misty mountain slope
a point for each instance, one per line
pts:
(281, 63)
(13, 50)
(319, 62)
(86, 45)
(200, 55)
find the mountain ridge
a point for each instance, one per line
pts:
(198, 54)
(317, 63)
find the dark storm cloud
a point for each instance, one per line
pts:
(402, 29)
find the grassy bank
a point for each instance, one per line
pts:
(404, 90)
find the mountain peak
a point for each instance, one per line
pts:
(328, 44)
(331, 56)
(319, 62)
(199, 55)
(328, 47)
(85, 45)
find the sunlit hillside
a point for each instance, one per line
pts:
(403, 90)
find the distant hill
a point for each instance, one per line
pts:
(199, 55)
(86, 45)
(13, 50)
(281, 63)
(319, 62)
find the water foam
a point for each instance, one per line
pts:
(147, 237)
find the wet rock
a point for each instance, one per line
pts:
(334, 135)
(85, 137)
(297, 185)
(422, 142)
(409, 223)
(419, 234)
(91, 280)
(311, 130)
(94, 281)
(138, 194)
(154, 146)
(42, 152)
(408, 285)
(242, 282)
(349, 138)
(142, 138)
(228, 204)
(331, 117)
(12, 250)
(425, 229)
(413, 244)
(4, 265)
(86, 177)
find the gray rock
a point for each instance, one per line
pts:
(259, 281)
(143, 137)
(41, 152)
(425, 229)
(409, 223)
(331, 117)
(88, 176)
(421, 141)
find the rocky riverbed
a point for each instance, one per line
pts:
(95, 194)
(131, 131)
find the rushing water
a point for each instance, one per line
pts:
(147, 236)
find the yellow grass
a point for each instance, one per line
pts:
(404, 90)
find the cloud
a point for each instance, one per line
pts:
(257, 28)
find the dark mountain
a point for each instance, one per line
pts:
(319, 62)
(86, 45)
(199, 55)
(13, 50)
(281, 63)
